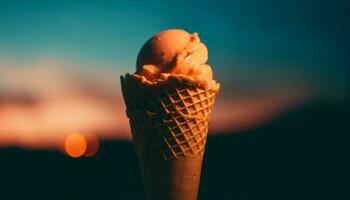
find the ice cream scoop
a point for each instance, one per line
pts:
(174, 52)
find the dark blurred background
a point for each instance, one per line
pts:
(278, 130)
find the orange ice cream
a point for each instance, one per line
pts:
(169, 100)
(178, 54)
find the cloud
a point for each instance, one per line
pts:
(42, 102)
(239, 112)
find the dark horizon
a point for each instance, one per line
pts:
(298, 156)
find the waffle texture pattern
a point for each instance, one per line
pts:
(169, 120)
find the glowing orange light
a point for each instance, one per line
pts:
(93, 145)
(75, 145)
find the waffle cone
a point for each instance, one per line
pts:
(169, 125)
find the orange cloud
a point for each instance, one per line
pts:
(239, 112)
(43, 102)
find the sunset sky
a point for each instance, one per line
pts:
(60, 61)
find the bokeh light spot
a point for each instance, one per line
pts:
(75, 145)
(93, 145)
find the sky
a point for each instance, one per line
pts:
(299, 38)
(266, 55)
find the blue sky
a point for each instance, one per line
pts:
(255, 41)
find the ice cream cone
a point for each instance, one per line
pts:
(169, 124)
